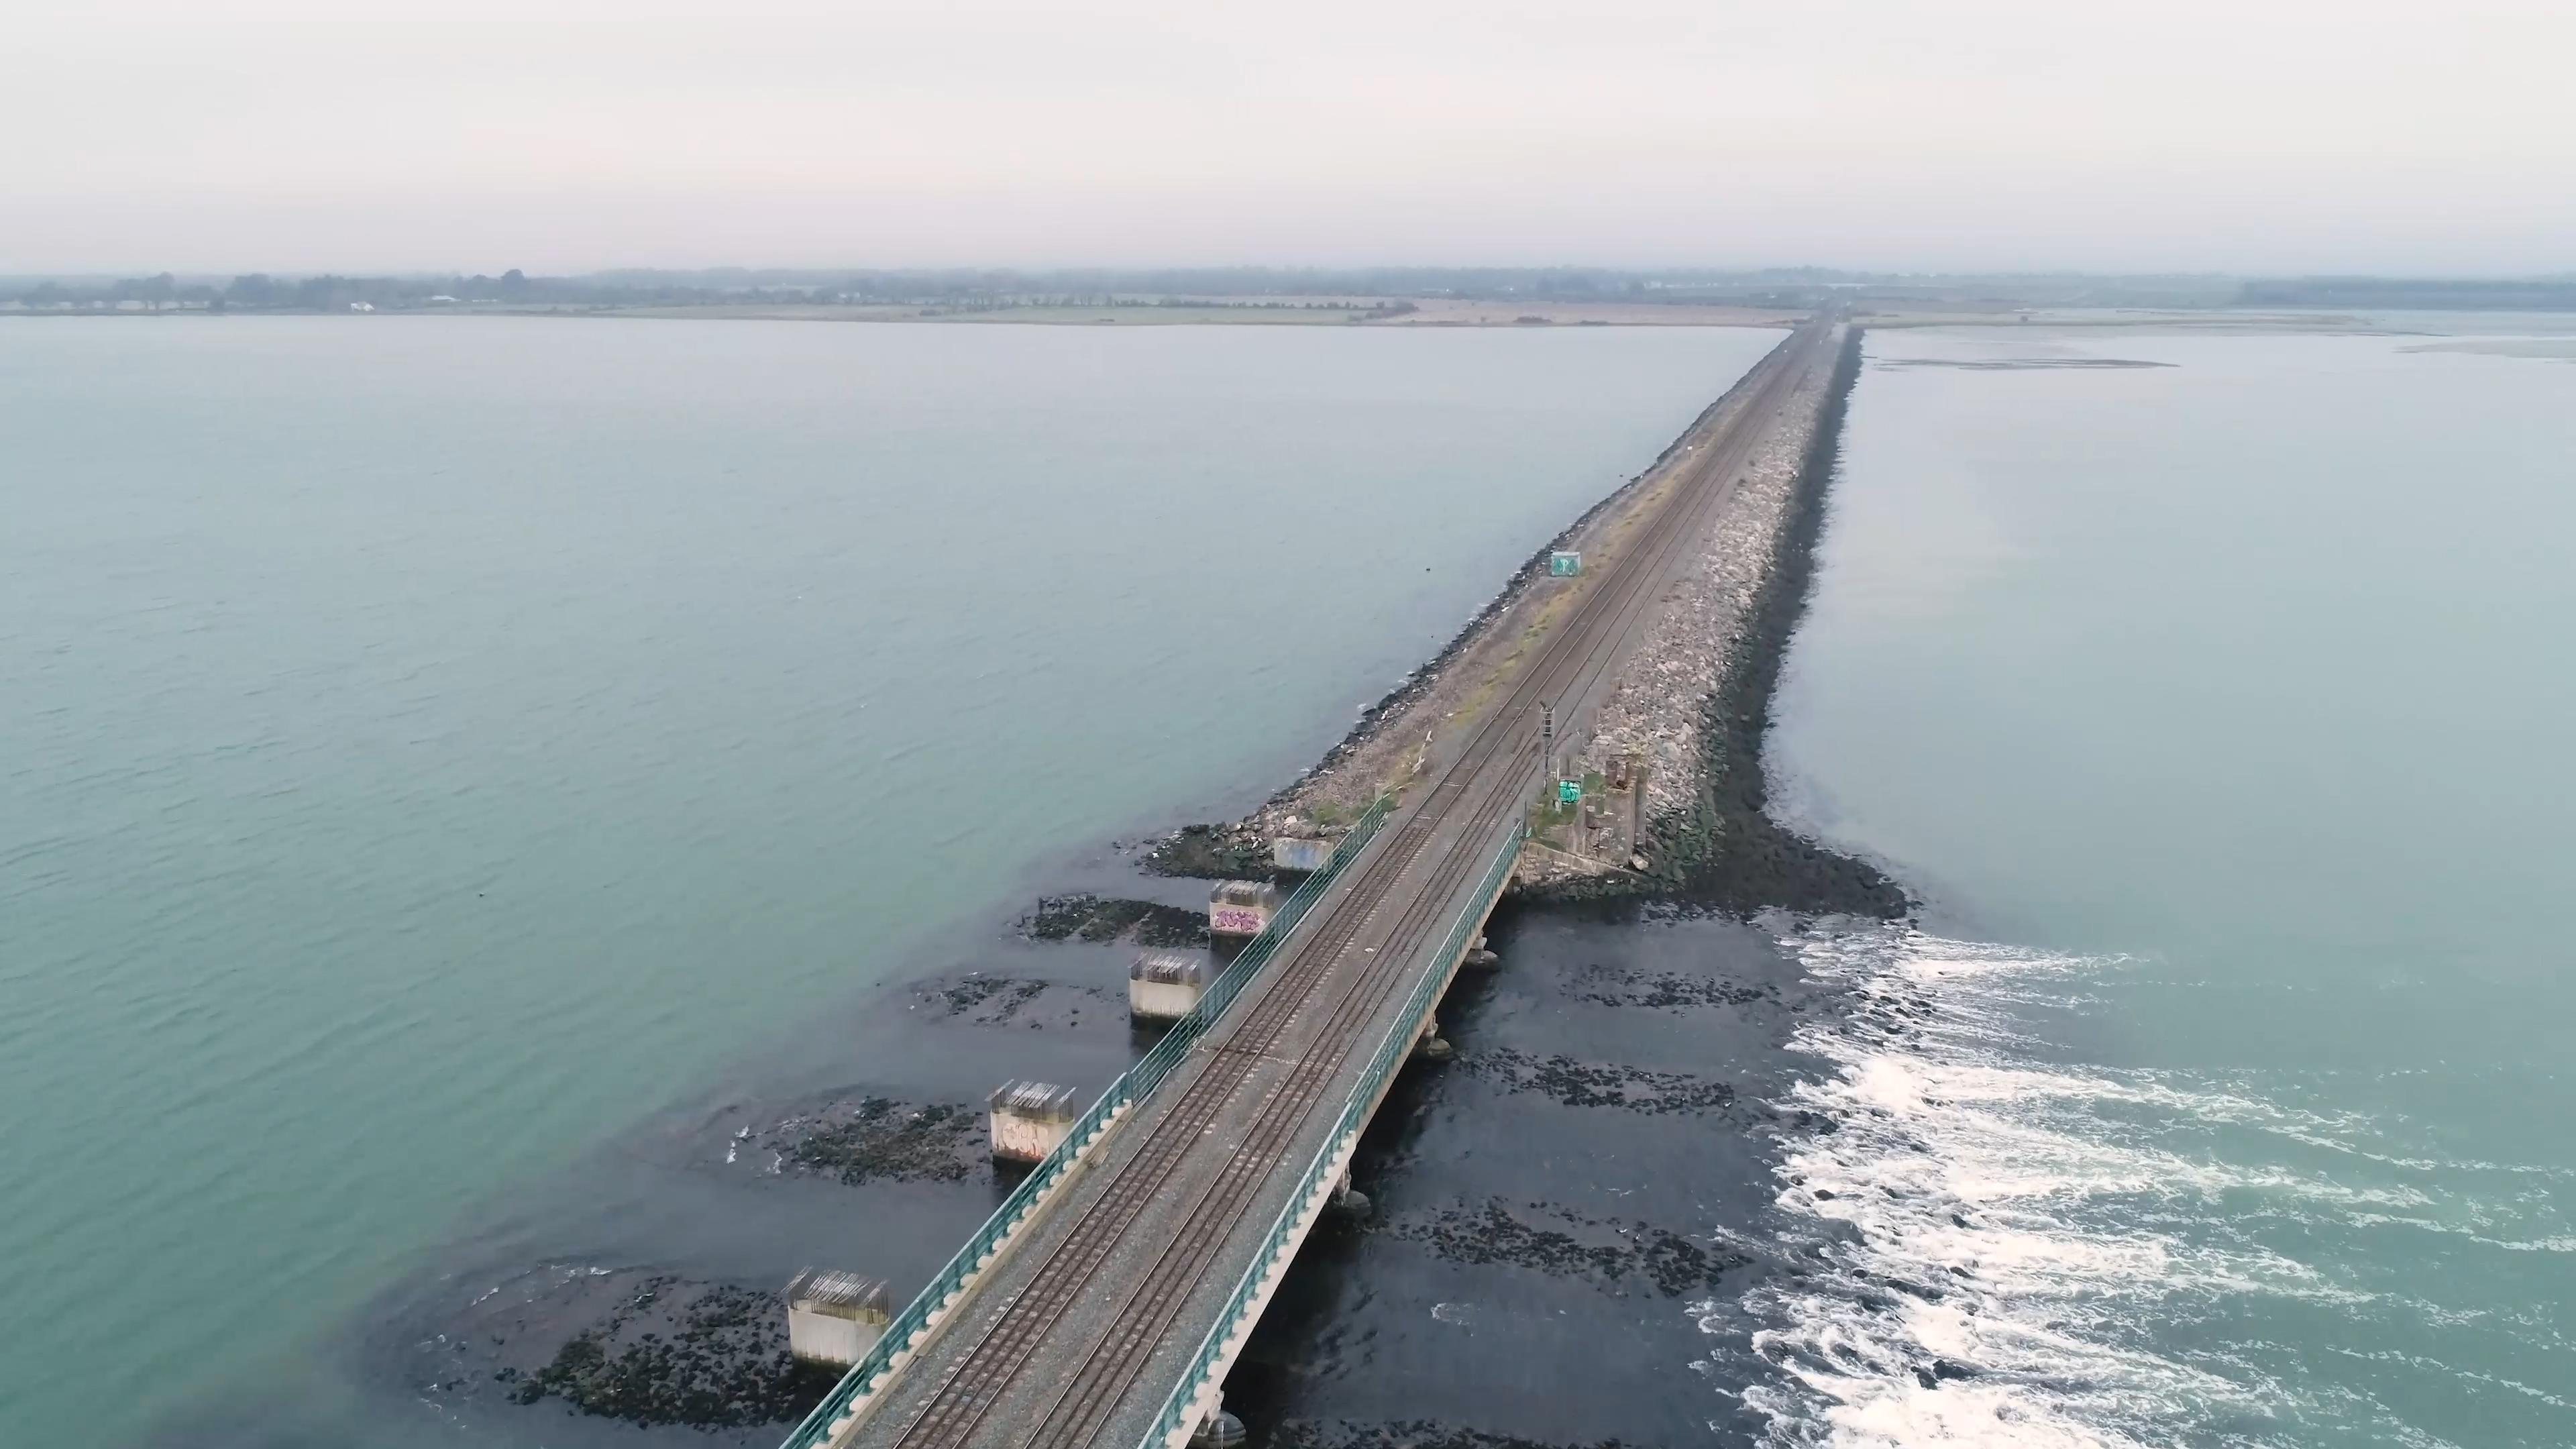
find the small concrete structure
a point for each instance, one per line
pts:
(1297, 852)
(1165, 985)
(1431, 1046)
(835, 1317)
(1242, 907)
(1028, 1119)
(1347, 1200)
(1219, 1430)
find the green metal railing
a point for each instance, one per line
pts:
(1131, 1085)
(1391, 1054)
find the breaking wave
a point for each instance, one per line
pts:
(1994, 1246)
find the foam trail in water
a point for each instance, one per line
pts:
(1953, 1298)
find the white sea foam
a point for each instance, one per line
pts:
(1966, 1288)
(1985, 1244)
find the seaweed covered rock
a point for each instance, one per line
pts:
(883, 1138)
(1098, 919)
(708, 1356)
(1211, 852)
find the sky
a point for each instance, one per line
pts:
(1985, 135)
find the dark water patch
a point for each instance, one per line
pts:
(1552, 1239)
(1094, 919)
(1418, 1434)
(1528, 1274)
(1598, 1084)
(1660, 990)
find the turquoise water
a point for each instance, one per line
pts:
(428, 745)
(2220, 712)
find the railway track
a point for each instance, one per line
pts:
(1323, 982)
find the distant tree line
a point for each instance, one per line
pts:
(947, 289)
(967, 289)
(2546, 295)
(260, 291)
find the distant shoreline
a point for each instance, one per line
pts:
(1187, 312)
(1395, 313)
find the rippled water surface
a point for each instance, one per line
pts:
(2220, 709)
(427, 746)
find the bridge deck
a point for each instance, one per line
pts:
(1144, 1296)
(1078, 1334)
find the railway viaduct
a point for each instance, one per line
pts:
(1105, 1300)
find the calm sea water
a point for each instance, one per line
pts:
(2221, 710)
(428, 745)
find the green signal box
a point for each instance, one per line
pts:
(1568, 791)
(1564, 564)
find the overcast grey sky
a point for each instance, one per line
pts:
(1985, 134)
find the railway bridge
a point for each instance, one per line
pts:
(1104, 1301)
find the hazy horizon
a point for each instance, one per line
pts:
(1996, 136)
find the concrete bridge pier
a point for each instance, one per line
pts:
(1164, 986)
(1431, 1046)
(835, 1317)
(1347, 1200)
(1219, 1430)
(1028, 1120)
(1242, 907)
